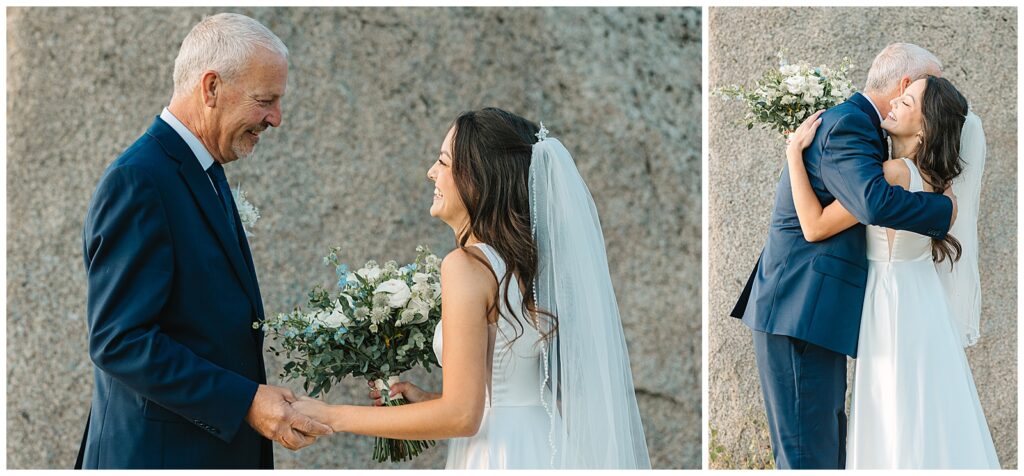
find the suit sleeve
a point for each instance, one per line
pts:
(129, 266)
(852, 172)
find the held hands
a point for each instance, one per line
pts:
(312, 408)
(272, 415)
(802, 137)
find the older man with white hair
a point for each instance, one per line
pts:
(803, 300)
(179, 373)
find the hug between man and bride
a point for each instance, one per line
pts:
(872, 253)
(534, 362)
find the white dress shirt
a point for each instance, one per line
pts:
(205, 159)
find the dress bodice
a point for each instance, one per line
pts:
(906, 245)
(515, 362)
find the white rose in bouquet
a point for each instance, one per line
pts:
(796, 84)
(337, 318)
(399, 292)
(370, 273)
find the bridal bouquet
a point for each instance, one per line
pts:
(785, 96)
(378, 323)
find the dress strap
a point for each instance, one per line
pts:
(497, 264)
(492, 330)
(916, 182)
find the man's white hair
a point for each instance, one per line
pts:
(896, 61)
(223, 43)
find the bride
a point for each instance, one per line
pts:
(914, 402)
(534, 364)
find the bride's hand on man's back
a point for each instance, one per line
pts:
(802, 137)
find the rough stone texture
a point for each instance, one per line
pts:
(371, 94)
(979, 49)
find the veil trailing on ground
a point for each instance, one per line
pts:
(588, 385)
(963, 282)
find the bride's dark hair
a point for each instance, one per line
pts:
(938, 157)
(492, 150)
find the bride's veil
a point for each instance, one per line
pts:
(962, 283)
(588, 386)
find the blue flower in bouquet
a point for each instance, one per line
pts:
(342, 272)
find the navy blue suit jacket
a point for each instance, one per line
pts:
(815, 291)
(171, 302)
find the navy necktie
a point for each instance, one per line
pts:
(216, 172)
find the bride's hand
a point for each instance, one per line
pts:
(804, 134)
(313, 408)
(410, 392)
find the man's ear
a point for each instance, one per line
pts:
(210, 86)
(905, 83)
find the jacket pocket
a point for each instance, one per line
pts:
(840, 269)
(153, 411)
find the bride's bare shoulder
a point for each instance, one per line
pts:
(468, 264)
(897, 173)
(466, 279)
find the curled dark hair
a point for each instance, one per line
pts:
(944, 110)
(491, 154)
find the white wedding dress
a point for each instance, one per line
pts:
(914, 402)
(514, 431)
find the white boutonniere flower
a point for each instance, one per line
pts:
(247, 212)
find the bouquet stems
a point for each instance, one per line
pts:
(387, 449)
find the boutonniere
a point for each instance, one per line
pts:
(247, 212)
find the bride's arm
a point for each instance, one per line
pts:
(816, 223)
(466, 289)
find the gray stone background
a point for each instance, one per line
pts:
(978, 47)
(371, 94)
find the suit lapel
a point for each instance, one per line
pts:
(209, 203)
(247, 254)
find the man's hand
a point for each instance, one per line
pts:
(949, 193)
(272, 415)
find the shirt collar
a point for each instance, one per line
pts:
(880, 118)
(205, 159)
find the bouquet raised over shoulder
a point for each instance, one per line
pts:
(783, 97)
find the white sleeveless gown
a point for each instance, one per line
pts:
(914, 402)
(515, 427)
